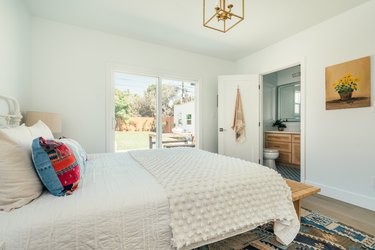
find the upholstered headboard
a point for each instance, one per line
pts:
(10, 115)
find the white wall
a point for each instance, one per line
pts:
(15, 51)
(340, 144)
(69, 76)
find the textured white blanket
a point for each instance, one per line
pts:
(213, 197)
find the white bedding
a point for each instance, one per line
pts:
(121, 205)
(117, 206)
(213, 197)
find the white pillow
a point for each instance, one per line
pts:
(19, 183)
(24, 136)
(40, 129)
(21, 135)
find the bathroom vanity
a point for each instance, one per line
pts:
(288, 144)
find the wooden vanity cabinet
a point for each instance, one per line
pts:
(288, 146)
(296, 150)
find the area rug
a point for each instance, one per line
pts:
(288, 172)
(317, 232)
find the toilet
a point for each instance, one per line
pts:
(269, 157)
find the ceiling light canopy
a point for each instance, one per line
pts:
(222, 15)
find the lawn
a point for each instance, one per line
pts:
(131, 140)
(135, 140)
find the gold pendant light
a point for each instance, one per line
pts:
(223, 15)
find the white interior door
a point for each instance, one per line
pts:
(249, 89)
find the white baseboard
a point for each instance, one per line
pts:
(346, 196)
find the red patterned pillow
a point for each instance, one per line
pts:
(56, 165)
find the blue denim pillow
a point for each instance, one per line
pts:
(56, 166)
(45, 170)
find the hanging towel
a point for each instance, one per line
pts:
(239, 120)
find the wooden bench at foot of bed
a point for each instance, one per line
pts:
(300, 191)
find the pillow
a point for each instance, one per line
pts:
(56, 166)
(21, 135)
(79, 153)
(19, 183)
(40, 129)
(24, 135)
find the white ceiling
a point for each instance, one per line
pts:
(178, 23)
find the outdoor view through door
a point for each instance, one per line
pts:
(143, 102)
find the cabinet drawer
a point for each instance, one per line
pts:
(296, 138)
(278, 137)
(285, 157)
(281, 146)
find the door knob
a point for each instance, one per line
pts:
(221, 130)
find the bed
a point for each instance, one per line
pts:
(178, 198)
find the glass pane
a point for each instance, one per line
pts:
(178, 118)
(297, 96)
(135, 111)
(286, 101)
(289, 102)
(297, 101)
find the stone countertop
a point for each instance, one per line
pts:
(284, 132)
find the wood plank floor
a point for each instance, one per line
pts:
(348, 214)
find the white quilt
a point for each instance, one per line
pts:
(118, 205)
(212, 197)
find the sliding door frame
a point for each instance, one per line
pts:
(110, 121)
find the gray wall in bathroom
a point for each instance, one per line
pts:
(286, 76)
(270, 82)
(269, 100)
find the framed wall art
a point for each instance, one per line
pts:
(348, 85)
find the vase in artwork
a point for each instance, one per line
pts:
(346, 96)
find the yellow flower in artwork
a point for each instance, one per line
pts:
(346, 84)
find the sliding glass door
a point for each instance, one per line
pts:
(135, 110)
(178, 113)
(153, 112)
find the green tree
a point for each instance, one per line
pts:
(128, 104)
(122, 105)
(169, 95)
(145, 106)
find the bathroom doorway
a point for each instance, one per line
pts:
(281, 116)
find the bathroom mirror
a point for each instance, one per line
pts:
(289, 102)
